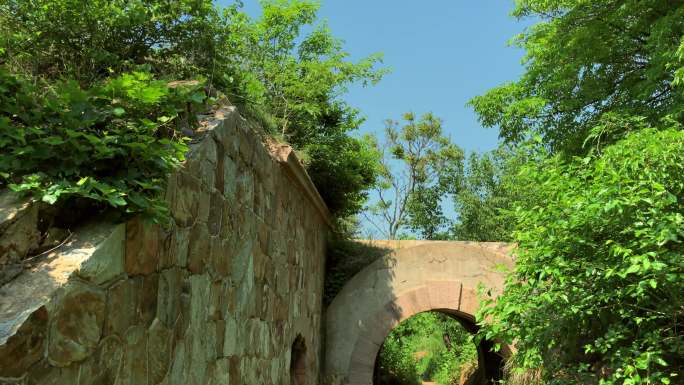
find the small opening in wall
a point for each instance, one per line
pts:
(298, 361)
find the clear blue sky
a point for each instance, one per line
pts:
(441, 52)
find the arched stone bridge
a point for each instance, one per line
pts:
(416, 276)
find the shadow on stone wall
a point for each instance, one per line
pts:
(344, 259)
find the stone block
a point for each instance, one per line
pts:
(245, 188)
(158, 351)
(183, 198)
(103, 366)
(215, 213)
(76, 324)
(201, 162)
(230, 173)
(222, 372)
(198, 248)
(179, 246)
(148, 296)
(178, 374)
(19, 233)
(26, 347)
(142, 246)
(225, 128)
(45, 374)
(169, 296)
(122, 306)
(248, 143)
(107, 261)
(134, 370)
(235, 371)
(220, 259)
(231, 337)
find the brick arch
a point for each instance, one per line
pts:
(414, 277)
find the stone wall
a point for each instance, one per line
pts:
(219, 298)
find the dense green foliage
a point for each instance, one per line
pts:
(294, 82)
(485, 195)
(104, 67)
(585, 59)
(110, 143)
(428, 346)
(596, 296)
(418, 170)
(597, 292)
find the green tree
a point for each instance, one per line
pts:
(486, 194)
(294, 82)
(596, 296)
(597, 292)
(585, 60)
(418, 167)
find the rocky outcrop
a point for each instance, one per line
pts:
(217, 298)
(19, 234)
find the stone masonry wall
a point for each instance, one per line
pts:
(219, 298)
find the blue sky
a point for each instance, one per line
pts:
(441, 52)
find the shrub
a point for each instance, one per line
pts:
(596, 296)
(112, 143)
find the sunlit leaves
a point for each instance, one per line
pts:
(584, 59)
(96, 143)
(598, 283)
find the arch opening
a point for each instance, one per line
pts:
(433, 347)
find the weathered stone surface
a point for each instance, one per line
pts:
(39, 285)
(76, 324)
(102, 367)
(230, 178)
(198, 248)
(220, 256)
(45, 374)
(19, 233)
(26, 347)
(133, 369)
(169, 296)
(143, 239)
(12, 206)
(107, 262)
(122, 306)
(215, 213)
(147, 308)
(158, 351)
(183, 192)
